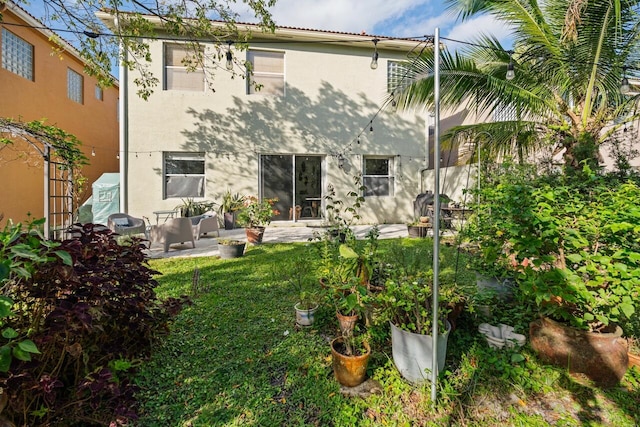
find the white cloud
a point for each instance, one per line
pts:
(352, 16)
(471, 29)
(398, 18)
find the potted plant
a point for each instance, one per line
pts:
(307, 301)
(339, 215)
(419, 227)
(350, 357)
(569, 242)
(345, 271)
(230, 248)
(189, 207)
(228, 207)
(406, 303)
(255, 215)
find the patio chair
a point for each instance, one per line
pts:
(205, 223)
(176, 230)
(125, 224)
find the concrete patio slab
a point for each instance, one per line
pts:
(208, 244)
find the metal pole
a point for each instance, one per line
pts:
(46, 156)
(478, 148)
(436, 214)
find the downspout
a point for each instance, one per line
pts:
(427, 143)
(123, 149)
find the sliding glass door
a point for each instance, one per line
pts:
(296, 181)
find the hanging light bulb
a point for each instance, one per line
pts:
(510, 72)
(624, 87)
(229, 56)
(374, 57)
(93, 152)
(118, 156)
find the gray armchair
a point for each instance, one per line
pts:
(206, 223)
(176, 230)
(124, 224)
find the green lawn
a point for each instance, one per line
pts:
(235, 357)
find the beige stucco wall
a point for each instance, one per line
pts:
(331, 96)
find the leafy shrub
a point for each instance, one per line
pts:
(572, 243)
(88, 305)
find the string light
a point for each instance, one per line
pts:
(510, 72)
(93, 152)
(624, 86)
(374, 57)
(229, 64)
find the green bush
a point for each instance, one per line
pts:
(572, 244)
(88, 305)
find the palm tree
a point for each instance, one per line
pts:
(569, 57)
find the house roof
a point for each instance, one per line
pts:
(286, 34)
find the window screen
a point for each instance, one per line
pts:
(181, 69)
(183, 175)
(268, 72)
(378, 176)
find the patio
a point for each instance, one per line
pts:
(208, 245)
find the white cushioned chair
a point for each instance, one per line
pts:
(124, 224)
(205, 223)
(176, 230)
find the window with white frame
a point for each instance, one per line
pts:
(378, 176)
(17, 55)
(182, 70)
(99, 93)
(268, 72)
(75, 83)
(396, 73)
(183, 175)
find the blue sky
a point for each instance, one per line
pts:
(395, 18)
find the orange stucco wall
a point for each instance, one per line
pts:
(94, 122)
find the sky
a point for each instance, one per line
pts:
(395, 18)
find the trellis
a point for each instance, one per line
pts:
(60, 156)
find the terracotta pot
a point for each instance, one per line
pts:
(417, 230)
(254, 234)
(634, 360)
(600, 356)
(350, 371)
(346, 323)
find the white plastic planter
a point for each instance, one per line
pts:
(304, 317)
(413, 353)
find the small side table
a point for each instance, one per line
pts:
(165, 215)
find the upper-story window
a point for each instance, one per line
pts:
(396, 73)
(183, 175)
(99, 93)
(75, 83)
(182, 70)
(268, 72)
(17, 55)
(378, 176)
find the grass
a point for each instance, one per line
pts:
(235, 357)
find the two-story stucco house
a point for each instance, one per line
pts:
(42, 80)
(322, 115)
